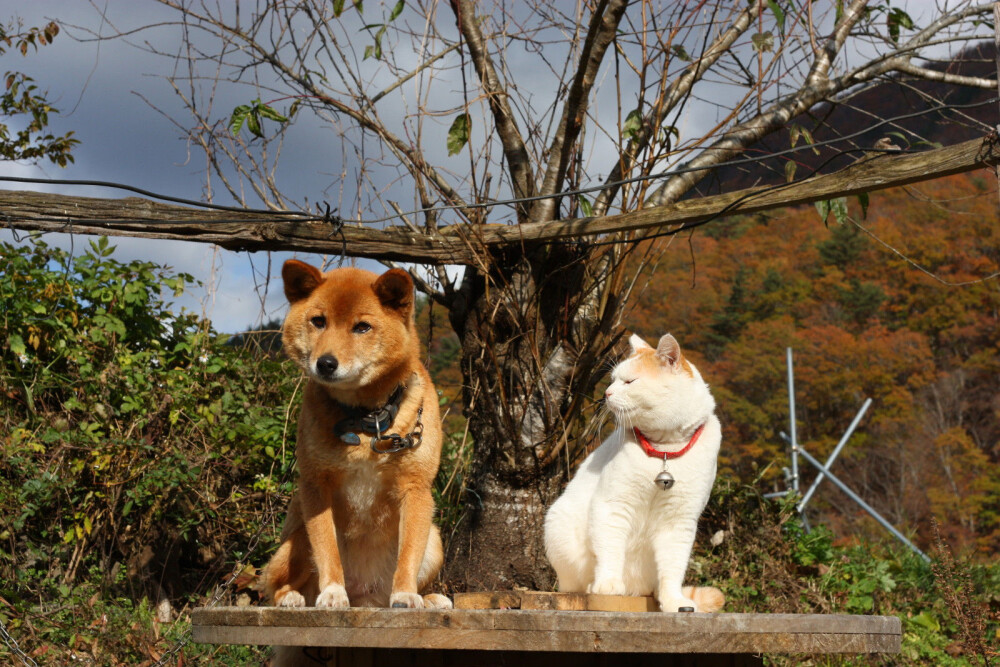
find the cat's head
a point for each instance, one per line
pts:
(657, 389)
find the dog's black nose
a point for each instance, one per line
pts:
(326, 366)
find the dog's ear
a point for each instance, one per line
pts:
(300, 279)
(394, 289)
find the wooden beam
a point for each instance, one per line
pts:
(867, 175)
(461, 244)
(233, 230)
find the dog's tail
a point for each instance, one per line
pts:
(708, 598)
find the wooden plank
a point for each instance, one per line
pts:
(488, 600)
(353, 657)
(563, 631)
(564, 642)
(554, 601)
(528, 620)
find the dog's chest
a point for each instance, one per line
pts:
(364, 498)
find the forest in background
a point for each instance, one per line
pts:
(899, 303)
(148, 458)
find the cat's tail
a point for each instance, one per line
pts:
(708, 598)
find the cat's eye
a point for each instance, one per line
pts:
(362, 327)
(318, 321)
(627, 381)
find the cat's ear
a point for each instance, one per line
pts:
(668, 351)
(636, 343)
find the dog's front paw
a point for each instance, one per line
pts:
(292, 599)
(333, 595)
(435, 601)
(607, 587)
(406, 600)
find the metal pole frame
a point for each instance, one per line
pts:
(865, 506)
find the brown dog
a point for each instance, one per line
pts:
(359, 529)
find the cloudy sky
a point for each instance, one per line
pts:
(132, 127)
(114, 97)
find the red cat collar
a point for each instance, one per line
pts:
(657, 454)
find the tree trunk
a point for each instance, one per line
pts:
(533, 332)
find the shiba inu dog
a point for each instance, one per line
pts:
(359, 529)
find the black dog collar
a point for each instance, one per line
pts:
(377, 423)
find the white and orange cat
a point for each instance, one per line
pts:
(615, 530)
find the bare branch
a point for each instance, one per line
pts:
(906, 67)
(603, 26)
(510, 137)
(677, 91)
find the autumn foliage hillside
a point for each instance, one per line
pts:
(898, 303)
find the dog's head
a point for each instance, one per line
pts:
(348, 327)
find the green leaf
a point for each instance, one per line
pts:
(926, 620)
(763, 41)
(779, 15)
(809, 140)
(369, 50)
(237, 118)
(458, 134)
(585, 207)
(680, 52)
(271, 114)
(863, 200)
(16, 344)
(823, 206)
(895, 20)
(253, 124)
(633, 123)
(794, 132)
(839, 208)
(790, 168)
(397, 10)
(338, 8)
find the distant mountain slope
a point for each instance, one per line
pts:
(972, 115)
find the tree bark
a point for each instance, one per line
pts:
(533, 331)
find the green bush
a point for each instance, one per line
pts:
(767, 563)
(142, 456)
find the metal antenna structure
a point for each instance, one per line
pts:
(796, 450)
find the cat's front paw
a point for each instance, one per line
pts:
(607, 587)
(435, 601)
(333, 596)
(676, 604)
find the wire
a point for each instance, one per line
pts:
(685, 170)
(305, 216)
(149, 193)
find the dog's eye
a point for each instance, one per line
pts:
(318, 321)
(362, 327)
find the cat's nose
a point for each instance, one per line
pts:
(608, 393)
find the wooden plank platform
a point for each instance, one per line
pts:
(546, 638)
